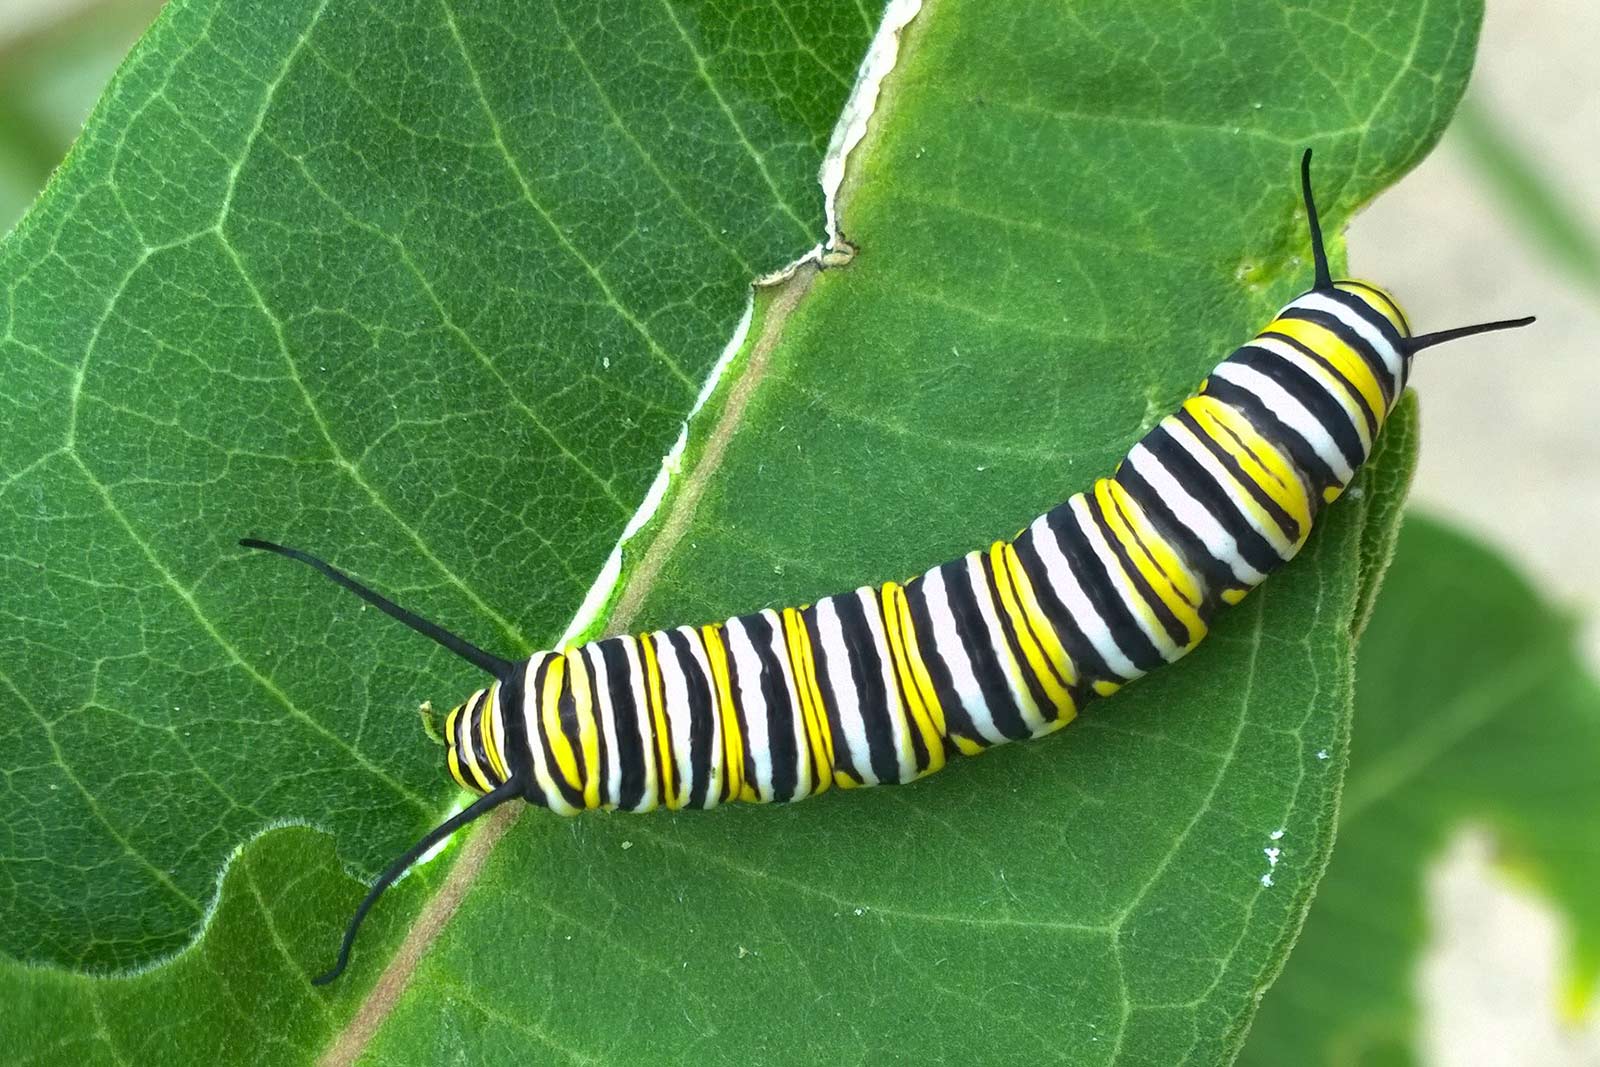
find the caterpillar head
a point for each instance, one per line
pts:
(473, 731)
(474, 734)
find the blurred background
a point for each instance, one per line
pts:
(1502, 220)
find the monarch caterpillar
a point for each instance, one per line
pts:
(877, 686)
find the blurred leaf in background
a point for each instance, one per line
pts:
(1536, 202)
(1472, 710)
(55, 57)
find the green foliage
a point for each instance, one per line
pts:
(431, 288)
(1473, 708)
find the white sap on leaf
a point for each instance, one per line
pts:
(605, 583)
(832, 251)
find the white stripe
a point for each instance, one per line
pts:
(1330, 385)
(1143, 614)
(697, 651)
(606, 712)
(1070, 591)
(997, 640)
(465, 754)
(675, 698)
(904, 754)
(797, 720)
(947, 645)
(1242, 502)
(530, 719)
(754, 705)
(1363, 329)
(1293, 414)
(844, 690)
(1193, 515)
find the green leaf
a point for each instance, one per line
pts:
(1473, 708)
(430, 291)
(410, 285)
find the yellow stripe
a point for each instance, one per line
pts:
(819, 706)
(894, 611)
(811, 713)
(452, 760)
(1261, 462)
(491, 742)
(1040, 668)
(455, 771)
(1326, 343)
(588, 728)
(1043, 632)
(1184, 582)
(1160, 584)
(732, 735)
(559, 748)
(666, 769)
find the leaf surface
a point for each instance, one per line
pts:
(434, 288)
(1473, 709)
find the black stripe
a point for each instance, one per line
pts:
(1215, 575)
(516, 754)
(985, 658)
(1097, 586)
(1360, 399)
(957, 721)
(1283, 520)
(1312, 394)
(702, 722)
(1253, 548)
(519, 757)
(570, 795)
(1176, 630)
(628, 723)
(877, 718)
(842, 759)
(780, 714)
(1313, 470)
(1368, 354)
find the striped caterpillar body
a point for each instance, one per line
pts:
(882, 685)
